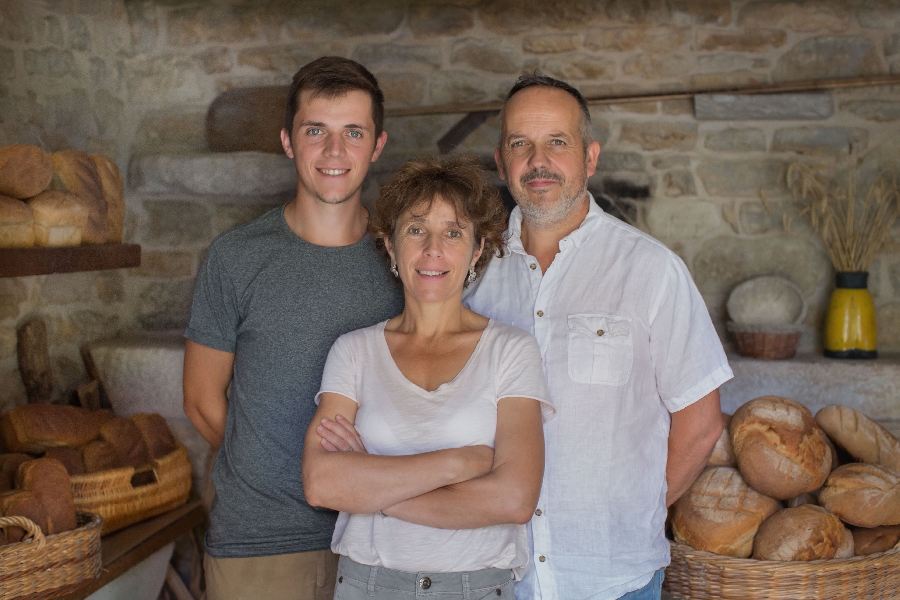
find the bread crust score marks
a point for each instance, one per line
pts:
(863, 438)
(863, 495)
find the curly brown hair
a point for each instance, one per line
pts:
(459, 181)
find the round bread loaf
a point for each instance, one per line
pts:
(74, 171)
(59, 218)
(847, 549)
(723, 452)
(863, 495)
(863, 438)
(804, 533)
(873, 540)
(780, 450)
(16, 224)
(25, 171)
(720, 513)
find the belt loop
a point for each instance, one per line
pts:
(465, 586)
(373, 573)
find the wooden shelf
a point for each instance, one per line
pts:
(21, 262)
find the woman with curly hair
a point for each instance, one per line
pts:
(428, 437)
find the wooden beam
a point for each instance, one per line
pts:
(20, 262)
(463, 128)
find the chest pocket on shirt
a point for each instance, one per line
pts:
(600, 349)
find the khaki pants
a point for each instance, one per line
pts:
(300, 576)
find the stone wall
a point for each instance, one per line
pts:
(133, 79)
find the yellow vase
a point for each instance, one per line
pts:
(850, 329)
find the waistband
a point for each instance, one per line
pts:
(423, 583)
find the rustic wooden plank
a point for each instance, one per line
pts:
(34, 360)
(21, 262)
(463, 128)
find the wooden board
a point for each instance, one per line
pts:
(21, 262)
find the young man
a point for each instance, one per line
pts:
(269, 301)
(629, 351)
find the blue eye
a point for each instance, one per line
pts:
(355, 134)
(314, 131)
(454, 234)
(557, 142)
(415, 230)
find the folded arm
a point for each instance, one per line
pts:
(361, 483)
(207, 375)
(692, 436)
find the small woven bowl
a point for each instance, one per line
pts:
(756, 342)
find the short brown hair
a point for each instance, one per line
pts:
(460, 182)
(332, 77)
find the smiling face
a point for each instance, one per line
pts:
(433, 251)
(332, 143)
(541, 155)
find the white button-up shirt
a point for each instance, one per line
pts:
(625, 339)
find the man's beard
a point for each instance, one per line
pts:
(550, 213)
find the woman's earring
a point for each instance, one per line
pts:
(472, 275)
(394, 270)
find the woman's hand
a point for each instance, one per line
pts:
(339, 435)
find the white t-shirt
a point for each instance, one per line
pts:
(626, 340)
(397, 417)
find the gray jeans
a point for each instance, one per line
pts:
(362, 582)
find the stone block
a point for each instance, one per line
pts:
(166, 264)
(398, 57)
(526, 16)
(873, 110)
(198, 25)
(55, 36)
(654, 11)
(175, 223)
(671, 162)
(647, 38)
(77, 33)
(755, 219)
(159, 79)
(620, 161)
(741, 178)
(763, 107)
(676, 220)
(743, 40)
(888, 321)
(721, 62)
(108, 112)
(144, 26)
(18, 23)
(12, 294)
(892, 45)
(660, 135)
(657, 66)
(579, 66)
(8, 343)
(829, 56)
(229, 216)
(894, 276)
(551, 43)
(679, 183)
(109, 287)
(730, 79)
(679, 106)
(165, 305)
(450, 87)
(67, 288)
(807, 16)
(302, 20)
(171, 133)
(427, 19)
(636, 108)
(878, 14)
(820, 140)
(7, 63)
(491, 56)
(12, 391)
(736, 140)
(217, 60)
(401, 89)
(49, 62)
(224, 174)
(694, 12)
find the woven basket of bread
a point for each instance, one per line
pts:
(51, 566)
(698, 575)
(126, 495)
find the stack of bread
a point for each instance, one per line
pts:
(66, 198)
(774, 488)
(46, 444)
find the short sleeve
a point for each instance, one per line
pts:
(214, 309)
(522, 376)
(340, 376)
(687, 356)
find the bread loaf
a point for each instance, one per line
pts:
(807, 498)
(155, 433)
(103, 415)
(847, 548)
(113, 193)
(780, 450)
(804, 533)
(70, 458)
(9, 467)
(125, 436)
(23, 503)
(875, 539)
(25, 171)
(720, 513)
(100, 455)
(34, 428)
(49, 481)
(16, 224)
(723, 452)
(863, 438)
(74, 171)
(59, 218)
(863, 495)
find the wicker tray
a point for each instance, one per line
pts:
(126, 496)
(697, 575)
(52, 566)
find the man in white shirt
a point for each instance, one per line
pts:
(631, 357)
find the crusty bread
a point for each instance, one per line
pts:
(74, 171)
(113, 193)
(25, 171)
(804, 533)
(723, 452)
(34, 428)
(59, 218)
(70, 458)
(48, 479)
(847, 549)
(780, 450)
(125, 436)
(9, 467)
(720, 513)
(100, 455)
(16, 224)
(807, 498)
(103, 415)
(872, 540)
(863, 495)
(155, 433)
(23, 503)
(863, 438)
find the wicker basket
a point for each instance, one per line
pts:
(126, 496)
(767, 345)
(697, 575)
(52, 566)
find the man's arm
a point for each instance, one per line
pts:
(692, 435)
(207, 375)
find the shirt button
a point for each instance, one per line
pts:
(540, 313)
(600, 332)
(538, 512)
(533, 266)
(542, 558)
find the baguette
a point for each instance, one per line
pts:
(863, 438)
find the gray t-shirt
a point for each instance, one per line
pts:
(279, 303)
